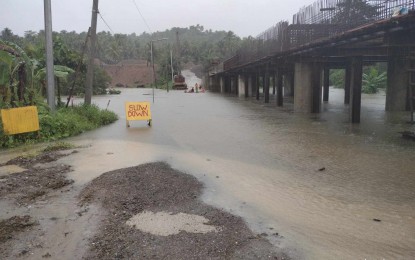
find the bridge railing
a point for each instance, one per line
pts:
(323, 18)
(358, 11)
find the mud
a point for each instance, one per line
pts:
(9, 227)
(36, 181)
(46, 215)
(22, 192)
(156, 187)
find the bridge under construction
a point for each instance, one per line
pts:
(294, 60)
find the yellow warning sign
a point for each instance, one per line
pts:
(20, 120)
(138, 111)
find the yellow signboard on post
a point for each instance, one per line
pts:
(20, 120)
(138, 111)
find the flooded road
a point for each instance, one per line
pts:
(315, 179)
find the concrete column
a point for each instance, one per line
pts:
(233, 86)
(228, 84)
(274, 84)
(246, 83)
(303, 87)
(217, 84)
(347, 83)
(222, 84)
(258, 78)
(356, 89)
(326, 84)
(397, 84)
(250, 85)
(316, 88)
(241, 85)
(289, 84)
(210, 82)
(279, 79)
(266, 86)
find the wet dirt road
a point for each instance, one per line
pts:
(317, 180)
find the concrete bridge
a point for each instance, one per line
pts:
(295, 60)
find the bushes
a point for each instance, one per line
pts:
(374, 77)
(372, 80)
(64, 123)
(337, 78)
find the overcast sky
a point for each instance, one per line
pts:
(243, 17)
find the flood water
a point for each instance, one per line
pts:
(317, 180)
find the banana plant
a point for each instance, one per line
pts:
(16, 71)
(61, 74)
(373, 80)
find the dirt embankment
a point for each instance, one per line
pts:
(133, 73)
(130, 73)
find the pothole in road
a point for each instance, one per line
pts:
(166, 223)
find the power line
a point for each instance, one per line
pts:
(102, 18)
(136, 6)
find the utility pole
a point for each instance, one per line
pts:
(178, 54)
(152, 61)
(90, 69)
(50, 77)
(171, 63)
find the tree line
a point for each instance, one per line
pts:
(197, 44)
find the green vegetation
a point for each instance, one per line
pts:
(58, 146)
(197, 45)
(22, 83)
(63, 123)
(352, 12)
(113, 91)
(337, 78)
(373, 80)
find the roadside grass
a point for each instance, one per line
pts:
(59, 146)
(65, 122)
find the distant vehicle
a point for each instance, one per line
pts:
(179, 82)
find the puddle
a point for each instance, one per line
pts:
(10, 169)
(166, 223)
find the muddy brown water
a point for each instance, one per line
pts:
(317, 180)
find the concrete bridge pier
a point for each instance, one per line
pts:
(289, 84)
(307, 87)
(227, 84)
(274, 83)
(397, 84)
(278, 79)
(250, 85)
(211, 83)
(222, 84)
(316, 87)
(246, 82)
(356, 89)
(326, 84)
(241, 85)
(234, 85)
(258, 80)
(347, 83)
(266, 85)
(218, 86)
